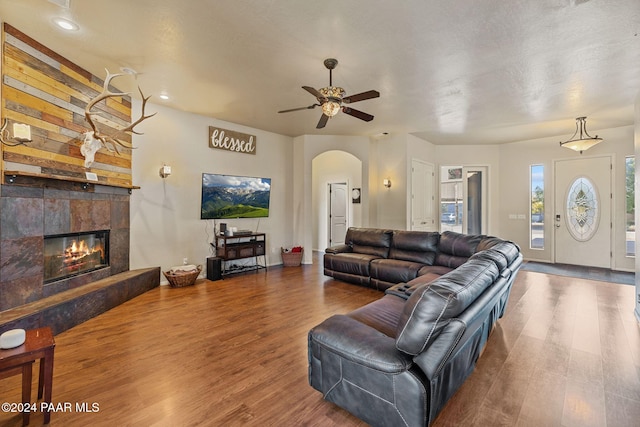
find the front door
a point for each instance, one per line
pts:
(337, 213)
(583, 212)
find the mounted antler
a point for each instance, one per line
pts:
(94, 139)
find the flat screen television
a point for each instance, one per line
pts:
(228, 196)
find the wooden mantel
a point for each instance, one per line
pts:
(28, 178)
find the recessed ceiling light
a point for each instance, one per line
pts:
(164, 96)
(61, 3)
(66, 24)
(128, 70)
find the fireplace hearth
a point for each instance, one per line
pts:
(71, 254)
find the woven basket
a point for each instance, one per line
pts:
(291, 259)
(180, 279)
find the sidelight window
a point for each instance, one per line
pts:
(536, 223)
(630, 222)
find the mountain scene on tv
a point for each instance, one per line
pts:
(225, 196)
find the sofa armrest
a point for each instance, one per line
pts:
(338, 249)
(438, 353)
(358, 343)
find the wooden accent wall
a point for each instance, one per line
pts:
(49, 93)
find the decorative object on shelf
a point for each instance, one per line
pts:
(331, 98)
(182, 275)
(12, 338)
(581, 140)
(355, 195)
(21, 134)
(292, 257)
(165, 171)
(94, 139)
(386, 182)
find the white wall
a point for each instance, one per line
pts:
(165, 224)
(305, 149)
(515, 161)
(165, 213)
(476, 155)
(333, 167)
(392, 164)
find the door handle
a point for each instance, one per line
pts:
(557, 220)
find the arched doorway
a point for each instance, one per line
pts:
(334, 167)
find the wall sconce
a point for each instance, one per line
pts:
(165, 171)
(21, 134)
(386, 182)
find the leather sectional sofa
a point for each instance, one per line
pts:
(381, 258)
(398, 360)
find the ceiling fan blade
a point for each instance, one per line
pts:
(320, 97)
(361, 96)
(323, 121)
(358, 114)
(310, 107)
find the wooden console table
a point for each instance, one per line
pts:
(39, 344)
(241, 246)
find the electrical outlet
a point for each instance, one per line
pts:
(184, 261)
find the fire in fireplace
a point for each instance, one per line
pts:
(71, 254)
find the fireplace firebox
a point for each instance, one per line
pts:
(70, 254)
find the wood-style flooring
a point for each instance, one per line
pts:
(234, 352)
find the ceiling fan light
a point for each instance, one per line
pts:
(330, 108)
(332, 92)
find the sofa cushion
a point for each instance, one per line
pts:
(431, 306)
(370, 241)
(394, 270)
(416, 246)
(492, 255)
(502, 254)
(455, 249)
(434, 269)
(381, 315)
(352, 263)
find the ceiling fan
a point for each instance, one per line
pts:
(331, 99)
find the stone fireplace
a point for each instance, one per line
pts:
(46, 192)
(28, 213)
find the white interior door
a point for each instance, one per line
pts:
(422, 196)
(337, 213)
(583, 212)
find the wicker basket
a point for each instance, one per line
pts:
(180, 279)
(291, 259)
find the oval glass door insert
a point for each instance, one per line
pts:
(582, 209)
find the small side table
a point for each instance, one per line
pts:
(25, 369)
(39, 344)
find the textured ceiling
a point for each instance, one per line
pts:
(451, 72)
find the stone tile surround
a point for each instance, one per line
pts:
(28, 213)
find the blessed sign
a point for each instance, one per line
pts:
(229, 140)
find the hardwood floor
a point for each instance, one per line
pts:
(233, 352)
